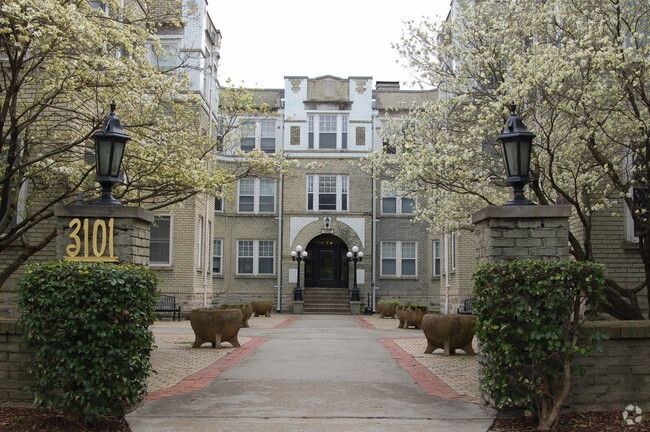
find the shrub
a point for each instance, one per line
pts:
(89, 327)
(529, 319)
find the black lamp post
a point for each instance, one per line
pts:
(110, 141)
(298, 255)
(355, 256)
(517, 144)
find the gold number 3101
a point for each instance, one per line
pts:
(102, 236)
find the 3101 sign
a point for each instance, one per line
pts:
(91, 243)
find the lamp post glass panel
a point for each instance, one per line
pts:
(355, 256)
(517, 144)
(298, 255)
(110, 141)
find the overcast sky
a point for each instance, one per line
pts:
(264, 41)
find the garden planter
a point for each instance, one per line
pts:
(262, 307)
(215, 326)
(410, 315)
(387, 309)
(449, 332)
(245, 308)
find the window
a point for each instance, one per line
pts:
(436, 258)
(399, 258)
(218, 204)
(327, 192)
(452, 252)
(248, 136)
(217, 253)
(267, 141)
(168, 57)
(255, 257)
(258, 134)
(199, 243)
(394, 202)
(256, 196)
(328, 131)
(161, 241)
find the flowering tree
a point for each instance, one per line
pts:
(61, 64)
(579, 72)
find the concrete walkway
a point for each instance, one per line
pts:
(320, 373)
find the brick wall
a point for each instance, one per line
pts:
(14, 358)
(619, 375)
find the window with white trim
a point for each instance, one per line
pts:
(328, 131)
(161, 241)
(169, 55)
(255, 257)
(399, 258)
(437, 258)
(258, 134)
(217, 254)
(256, 196)
(327, 192)
(395, 202)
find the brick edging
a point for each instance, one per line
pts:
(429, 382)
(365, 324)
(286, 322)
(205, 376)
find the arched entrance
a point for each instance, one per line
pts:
(328, 265)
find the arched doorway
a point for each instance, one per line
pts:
(328, 265)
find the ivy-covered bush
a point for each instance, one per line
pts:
(529, 320)
(88, 324)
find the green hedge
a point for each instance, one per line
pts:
(89, 327)
(529, 319)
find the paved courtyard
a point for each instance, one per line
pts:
(181, 369)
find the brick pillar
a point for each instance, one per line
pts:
(510, 233)
(127, 227)
(131, 227)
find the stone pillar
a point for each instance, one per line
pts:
(85, 233)
(510, 233)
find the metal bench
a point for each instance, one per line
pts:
(167, 303)
(466, 308)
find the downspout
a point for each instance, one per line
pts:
(373, 266)
(280, 248)
(206, 249)
(208, 235)
(446, 252)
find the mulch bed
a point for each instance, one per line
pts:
(40, 420)
(593, 421)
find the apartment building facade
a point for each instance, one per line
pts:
(328, 202)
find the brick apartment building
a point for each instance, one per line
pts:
(328, 203)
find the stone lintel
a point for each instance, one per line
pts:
(521, 212)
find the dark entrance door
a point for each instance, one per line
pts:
(327, 266)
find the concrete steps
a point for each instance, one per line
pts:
(331, 301)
